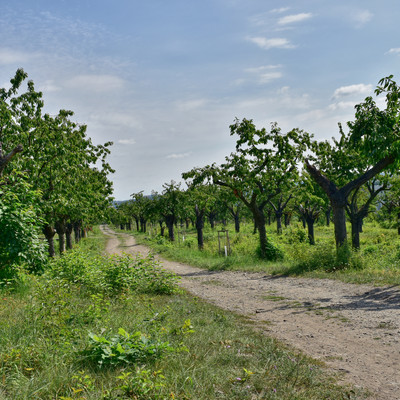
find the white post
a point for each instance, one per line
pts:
(226, 251)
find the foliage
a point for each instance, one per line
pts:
(19, 227)
(125, 348)
(44, 330)
(113, 275)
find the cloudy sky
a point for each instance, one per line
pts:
(164, 79)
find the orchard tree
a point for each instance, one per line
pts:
(371, 146)
(310, 201)
(170, 206)
(258, 170)
(55, 153)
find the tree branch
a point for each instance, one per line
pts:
(5, 159)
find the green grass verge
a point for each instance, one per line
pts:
(376, 263)
(87, 336)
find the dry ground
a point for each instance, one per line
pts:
(353, 329)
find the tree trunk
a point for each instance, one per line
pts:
(339, 220)
(49, 233)
(237, 223)
(269, 214)
(310, 228)
(137, 224)
(199, 229)
(60, 228)
(169, 220)
(68, 235)
(278, 216)
(77, 231)
(328, 216)
(355, 233)
(398, 223)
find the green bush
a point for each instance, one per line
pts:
(19, 228)
(114, 274)
(125, 348)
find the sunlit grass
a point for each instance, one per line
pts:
(377, 262)
(44, 345)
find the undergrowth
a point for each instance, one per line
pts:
(376, 262)
(97, 327)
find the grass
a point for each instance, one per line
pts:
(206, 353)
(376, 263)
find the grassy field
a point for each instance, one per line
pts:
(94, 327)
(378, 261)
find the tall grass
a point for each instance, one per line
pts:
(72, 334)
(377, 262)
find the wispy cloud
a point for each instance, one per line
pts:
(189, 105)
(266, 73)
(126, 141)
(180, 155)
(395, 50)
(95, 83)
(290, 19)
(280, 10)
(361, 17)
(10, 56)
(350, 90)
(342, 105)
(266, 44)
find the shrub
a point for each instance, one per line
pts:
(114, 274)
(125, 348)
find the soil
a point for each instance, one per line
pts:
(353, 329)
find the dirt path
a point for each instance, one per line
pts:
(354, 329)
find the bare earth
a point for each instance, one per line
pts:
(353, 329)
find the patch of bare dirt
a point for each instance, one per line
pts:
(354, 329)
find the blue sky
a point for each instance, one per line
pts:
(164, 79)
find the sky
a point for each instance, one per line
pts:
(164, 79)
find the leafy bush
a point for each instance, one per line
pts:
(19, 228)
(125, 348)
(114, 274)
(272, 252)
(295, 235)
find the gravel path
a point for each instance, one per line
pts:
(354, 329)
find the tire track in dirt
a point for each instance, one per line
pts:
(353, 329)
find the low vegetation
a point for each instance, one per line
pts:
(99, 327)
(377, 262)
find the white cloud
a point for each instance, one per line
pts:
(290, 19)
(126, 141)
(267, 44)
(114, 119)
(96, 83)
(361, 88)
(180, 155)
(342, 105)
(280, 10)
(362, 17)
(189, 105)
(394, 51)
(49, 86)
(266, 73)
(9, 56)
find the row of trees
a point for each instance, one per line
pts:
(53, 179)
(269, 171)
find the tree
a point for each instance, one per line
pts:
(57, 156)
(170, 204)
(371, 146)
(257, 171)
(19, 227)
(310, 201)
